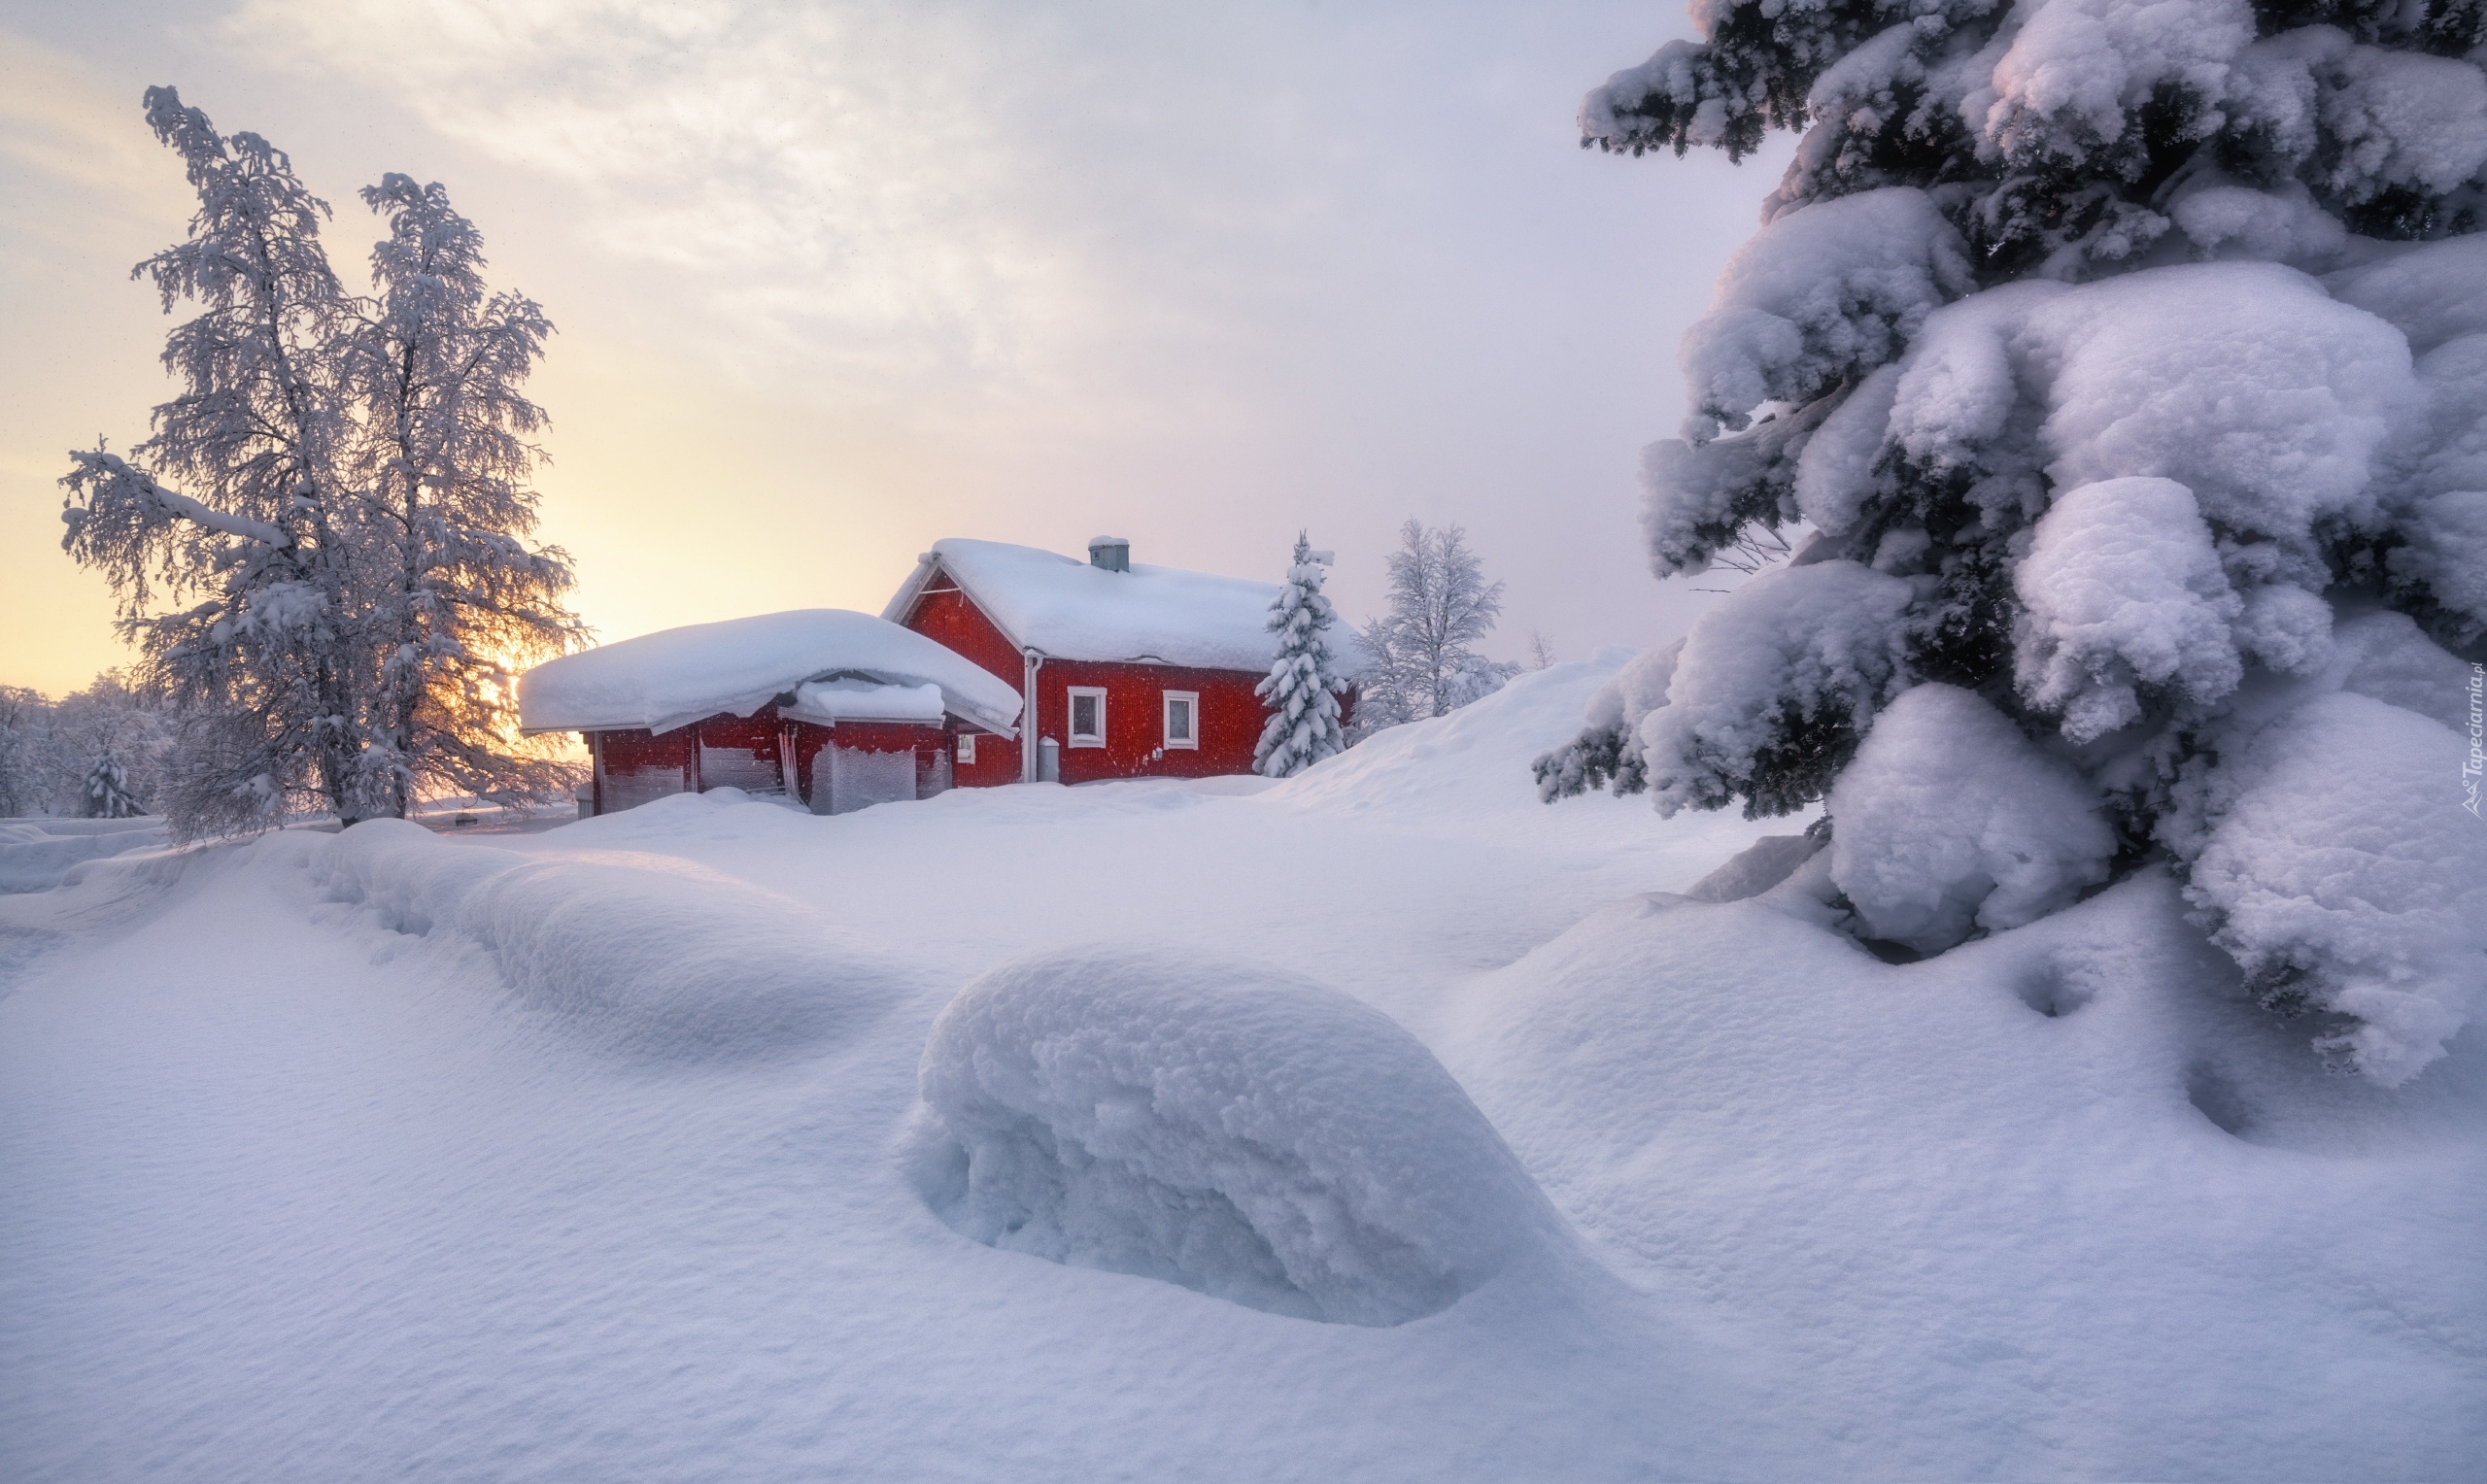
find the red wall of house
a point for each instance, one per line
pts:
(639, 748)
(764, 734)
(943, 615)
(1229, 722)
(1231, 715)
(997, 760)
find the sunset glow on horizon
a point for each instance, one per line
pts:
(836, 283)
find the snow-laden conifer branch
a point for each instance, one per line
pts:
(2128, 360)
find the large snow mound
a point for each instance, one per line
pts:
(1234, 1130)
(664, 680)
(647, 957)
(1480, 755)
(1070, 610)
(2046, 1207)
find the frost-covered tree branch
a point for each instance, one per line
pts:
(337, 489)
(1426, 659)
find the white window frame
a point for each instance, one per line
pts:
(1192, 700)
(1070, 715)
(967, 747)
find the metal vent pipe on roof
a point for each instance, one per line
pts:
(1110, 554)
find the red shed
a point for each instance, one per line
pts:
(1123, 671)
(833, 710)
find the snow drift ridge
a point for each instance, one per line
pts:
(655, 962)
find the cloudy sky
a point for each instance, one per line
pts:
(836, 281)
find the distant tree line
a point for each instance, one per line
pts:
(100, 752)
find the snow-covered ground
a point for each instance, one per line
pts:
(36, 852)
(598, 1154)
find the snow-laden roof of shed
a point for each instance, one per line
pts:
(1066, 609)
(667, 679)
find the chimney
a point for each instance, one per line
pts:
(1109, 554)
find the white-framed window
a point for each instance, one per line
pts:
(1182, 719)
(1087, 716)
(967, 747)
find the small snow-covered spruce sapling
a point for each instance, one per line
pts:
(2119, 371)
(321, 550)
(1425, 660)
(104, 793)
(1302, 687)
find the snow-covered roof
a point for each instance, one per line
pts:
(1066, 609)
(850, 699)
(665, 680)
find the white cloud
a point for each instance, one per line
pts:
(58, 122)
(857, 188)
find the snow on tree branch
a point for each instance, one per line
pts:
(344, 481)
(2126, 357)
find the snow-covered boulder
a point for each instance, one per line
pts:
(1757, 868)
(1234, 1130)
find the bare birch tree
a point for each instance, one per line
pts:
(1424, 658)
(320, 549)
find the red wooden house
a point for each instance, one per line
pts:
(1123, 671)
(833, 710)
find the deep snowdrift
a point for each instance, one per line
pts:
(2057, 1204)
(650, 956)
(1234, 1130)
(584, 1155)
(35, 852)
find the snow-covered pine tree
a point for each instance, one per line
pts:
(1302, 687)
(339, 488)
(108, 717)
(104, 793)
(1424, 658)
(2122, 368)
(458, 600)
